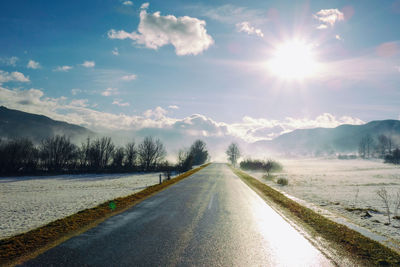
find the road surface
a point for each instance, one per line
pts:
(209, 219)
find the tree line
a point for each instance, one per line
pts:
(382, 147)
(59, 155)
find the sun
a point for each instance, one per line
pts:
(293, 60)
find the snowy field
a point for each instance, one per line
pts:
(347, 188)
(29, 202)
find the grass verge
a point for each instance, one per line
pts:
(22, 247)
(361, 246)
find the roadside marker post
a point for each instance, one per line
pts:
(160, 178)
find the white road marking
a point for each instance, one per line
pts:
(211, 201)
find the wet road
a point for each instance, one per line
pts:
(209, 219)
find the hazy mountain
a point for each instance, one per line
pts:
(15, 124)
(344, 138)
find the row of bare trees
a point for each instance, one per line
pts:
(59, 155)
(380, 146)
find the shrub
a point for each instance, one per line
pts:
(282, 181)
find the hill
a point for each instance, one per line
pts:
(343, 139)
(16, 124)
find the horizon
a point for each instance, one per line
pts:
(242, 72)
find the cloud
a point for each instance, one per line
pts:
(115, 52)
(119, 102)
(197, 126)
(144, 5)
(231, 14)
(75, 91)
(246, 27)
(127, 3)
(110, 91)
(322, 27)
(173, 107)
(79, 103)
(63, 68)
(129, 77)
(9, 61)
(88, 64)
(328, 17)
(33, 65)
(188, 35)
(14, 76)
(338, 37)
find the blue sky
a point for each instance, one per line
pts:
(200, 67)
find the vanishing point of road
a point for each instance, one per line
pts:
(209, 219)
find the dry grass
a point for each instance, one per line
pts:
(21, 247)
(363, 247)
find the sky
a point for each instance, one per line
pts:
(242, 70)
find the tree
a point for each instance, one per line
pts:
(100, 153)
(19, 155)
(383, 144)
(131, 155)
(365, 146)
(57, 152)
(118, 158)
(185, 160)
(199, 152)
(150, 153)
(233, 153)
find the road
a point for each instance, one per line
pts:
(209, 219)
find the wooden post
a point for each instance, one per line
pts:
(160, 179)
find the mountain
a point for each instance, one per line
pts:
(16, 124)
(343, 139)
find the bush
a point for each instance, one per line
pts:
(260, 165)
(282, 181)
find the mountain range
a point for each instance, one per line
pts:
(342, 139)
(18, 124)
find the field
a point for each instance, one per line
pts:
(29, 202)
(346, 188)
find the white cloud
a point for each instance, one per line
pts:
(9, 61)
(246, 27)
(88, 64)
(129, 77)
(322, 27)
(14, 76)
(119, 102)
(110, 91)
(127, 3)
(328, 17)
(63, 68)
(79, 102)
(33, 65)
(197, 125)
(115, 52)
(173, 107)
(231, 14)
(144, 6)
(338, 37)
(188, 35)
(75, 91)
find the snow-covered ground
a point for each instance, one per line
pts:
(29, 202)
(342, 185)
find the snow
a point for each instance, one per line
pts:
(335, 185)
(30, 202)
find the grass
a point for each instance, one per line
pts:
(363, 247)
(22, 247)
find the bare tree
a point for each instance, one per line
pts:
(57, 152)
(365, 146)
(150, 153)
(233, 153)
(383, 143)
(118, 158)
(397, 204)
(131, 155)
(185, 160)
(382, 193)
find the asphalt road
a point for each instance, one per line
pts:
(209, 219)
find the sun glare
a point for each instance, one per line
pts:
(293, 60)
